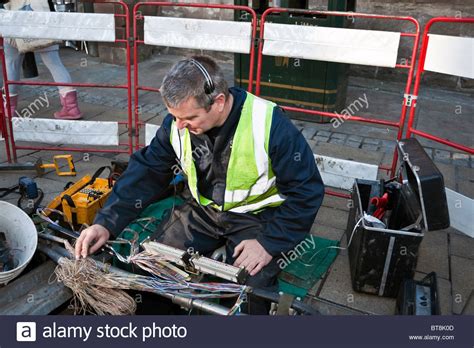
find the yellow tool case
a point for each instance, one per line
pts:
(81, 201)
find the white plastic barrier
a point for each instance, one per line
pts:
(202, 34)
(150, 132)
(450, 55)
(51, 131)
(461, 210)
(352, 46)
(58, 26)
(341, 173)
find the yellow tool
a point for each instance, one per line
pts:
(39, 167)
(56, 202)
(56, 165)
(81, 201)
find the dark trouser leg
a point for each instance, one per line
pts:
(204, 230)
(189, 227)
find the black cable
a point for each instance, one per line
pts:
(8, 190)
(38, 200)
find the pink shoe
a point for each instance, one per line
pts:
(13, 104)
(70, 109)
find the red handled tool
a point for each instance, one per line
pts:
(381, 205)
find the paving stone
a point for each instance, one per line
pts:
(444, 293)
(336, 202)
(339, 136)
(388, 146)
(321, 139)
(433, 254)
(461, 245)
(324, 134)
(461, 159)
(336, 141)
(332, 217)
(369, 147)
(371, 141)
(338, 288)
(462, 273)
(328, 232)
(353, 144)
(348, 153)
(442, 156)
(309, 132)
(354, 138)
(465, 174)
(448, 175)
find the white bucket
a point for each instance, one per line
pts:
(21, 235)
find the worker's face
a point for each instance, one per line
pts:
(197, 119)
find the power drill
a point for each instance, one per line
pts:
(28, 188)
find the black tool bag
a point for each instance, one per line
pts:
(384, 253)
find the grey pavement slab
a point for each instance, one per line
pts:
(337, 288)
(433, 254)
(461, 245)
(348, 153)
(462, 272)
(332, 217)
(336, 202)
(328, 232)
(448, 172)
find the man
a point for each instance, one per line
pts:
(253, 180)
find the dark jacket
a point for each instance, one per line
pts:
(150, 171)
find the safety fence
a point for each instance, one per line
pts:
(374, 48)
(99, 27)
(341, 45)
(190, 33)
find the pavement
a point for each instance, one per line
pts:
(448, 252)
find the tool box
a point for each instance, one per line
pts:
(383, 251)
(419, 297)
(80, 201)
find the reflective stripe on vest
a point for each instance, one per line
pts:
(250, 181)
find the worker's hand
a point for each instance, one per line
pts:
(253, 256)
(90, 240)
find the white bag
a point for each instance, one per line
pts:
(30, 45)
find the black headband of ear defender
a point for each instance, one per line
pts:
(209, 84)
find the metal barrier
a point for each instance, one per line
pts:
(340, 45)
(67, 26)
(215, 35)
(447, 55)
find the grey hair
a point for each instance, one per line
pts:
(185, 80)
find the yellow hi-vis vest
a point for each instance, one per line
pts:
(250, 181)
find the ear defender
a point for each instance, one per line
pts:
(209, 84)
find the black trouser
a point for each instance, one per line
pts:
(204, 229)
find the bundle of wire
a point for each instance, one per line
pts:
(92, 285)
(97, 290)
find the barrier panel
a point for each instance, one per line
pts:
(341, 45)
(449, 55)
(65, 26)
(446, 55)
(190, 33)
